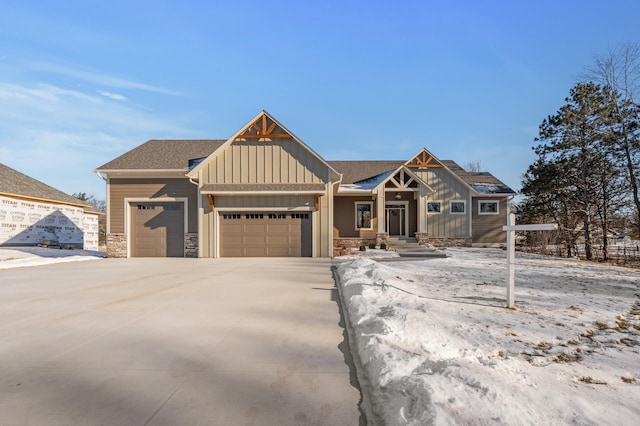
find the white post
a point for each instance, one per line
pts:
(511, 256)
(511, 229)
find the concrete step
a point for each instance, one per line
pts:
(408, 247)
(391, 241)
(416, 249)
(424, 255)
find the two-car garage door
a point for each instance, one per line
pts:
(265, 234)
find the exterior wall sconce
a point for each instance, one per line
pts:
(398, 196)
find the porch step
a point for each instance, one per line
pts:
(401, 240)
(408, 247)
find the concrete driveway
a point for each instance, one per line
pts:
(174, 342)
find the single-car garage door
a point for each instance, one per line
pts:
(157, 230)
(265, 234)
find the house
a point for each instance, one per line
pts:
(32, 213)
(264, 192)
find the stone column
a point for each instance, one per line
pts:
(423, 238)
(191, 245)
(116, 245)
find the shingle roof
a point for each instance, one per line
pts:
(159, 154)
(15, 183)
(356, 171)
(481, 182)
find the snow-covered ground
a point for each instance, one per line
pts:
(19, 257)
(435, 344)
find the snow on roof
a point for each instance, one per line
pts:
(366, 185)
(489, 188)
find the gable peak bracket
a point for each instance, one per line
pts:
(263, 128)
(423, 161)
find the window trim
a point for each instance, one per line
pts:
(370, 204)
(496, 202)
(464, 206)
(434, 201)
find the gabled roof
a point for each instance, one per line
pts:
(374, 172)
(482, 182)
(357, 171)
(257, 129)
(12, 182)
(163, 155)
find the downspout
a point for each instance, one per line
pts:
(330, 205)
(509, 198)
(200, 214)
(108, 202)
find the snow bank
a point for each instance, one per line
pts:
(20, 257)
(434, 344)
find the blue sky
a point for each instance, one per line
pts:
(82, 82)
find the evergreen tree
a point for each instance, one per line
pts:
(619, 69)
(568, 173)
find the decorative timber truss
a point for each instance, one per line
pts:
(264, 128)
(401, 180)
(423, 160)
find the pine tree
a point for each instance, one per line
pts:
(571, 160)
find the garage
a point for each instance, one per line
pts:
(265, 234)
(157, 229)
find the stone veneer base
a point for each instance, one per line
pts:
(450, 242)
(116, 245)
(191, 245)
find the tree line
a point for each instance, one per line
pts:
(587, 169)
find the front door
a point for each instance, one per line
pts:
(395, 219)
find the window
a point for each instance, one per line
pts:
(277, 215)
(457, 207)
(171, 206)
(146, 206)
(254, 216)
(299, 215)
(487, 207)
(363, 215)
(434, 207)
(231, 216)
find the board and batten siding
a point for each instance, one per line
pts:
(121, 188)
(487, 228)
(265, 161)
(447, 188)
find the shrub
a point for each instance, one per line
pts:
(372, 246)
(363, 248)
(383, 246)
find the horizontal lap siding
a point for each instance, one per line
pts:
(344, 218)
(487, 229)
(119, 189)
